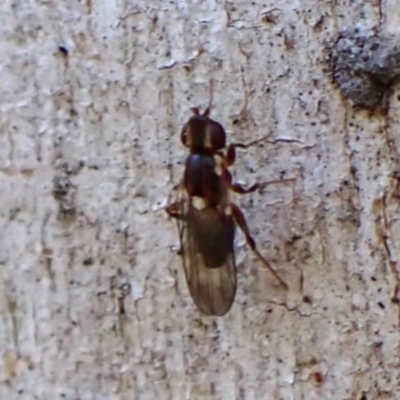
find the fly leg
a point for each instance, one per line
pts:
(174, 210)
(238, 188)
(229, 159)
(241, 222)
(230, 156)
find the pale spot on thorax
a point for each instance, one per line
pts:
(228, 210)
(218, 164)
(198, 203)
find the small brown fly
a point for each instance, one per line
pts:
(207, 218)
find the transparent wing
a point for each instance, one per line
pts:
(208, 258)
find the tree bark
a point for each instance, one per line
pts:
(94, 303)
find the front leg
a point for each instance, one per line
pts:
(230, 157)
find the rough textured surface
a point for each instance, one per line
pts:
(365, 66)
(93, 300)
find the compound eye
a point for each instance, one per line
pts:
(184, 134)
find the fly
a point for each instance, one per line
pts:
(207, 218)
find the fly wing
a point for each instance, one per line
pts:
(208, 258)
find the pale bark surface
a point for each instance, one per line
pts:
(93, 300)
